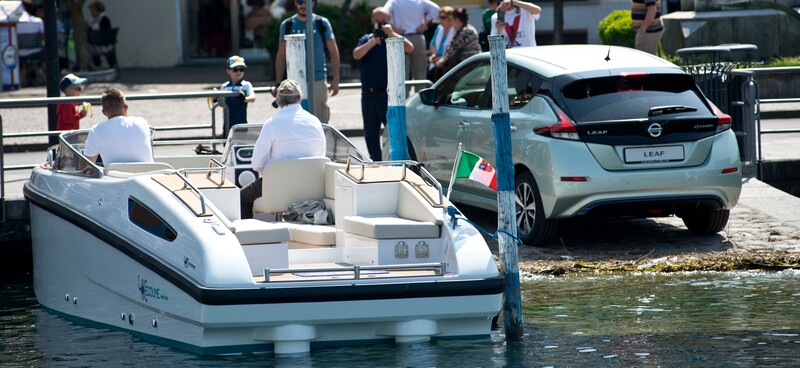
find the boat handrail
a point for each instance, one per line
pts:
(208, 170)
(405, 163)
(434, 182)
(356, 269)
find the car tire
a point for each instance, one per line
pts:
(706, 222)
(534, 228)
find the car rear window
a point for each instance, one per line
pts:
(630, 97)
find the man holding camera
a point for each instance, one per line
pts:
(371, 50)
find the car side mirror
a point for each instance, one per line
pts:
(428, 96)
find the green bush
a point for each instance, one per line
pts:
(617, 29)
(782, 62)
(357, 23)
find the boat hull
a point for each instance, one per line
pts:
(83, 273)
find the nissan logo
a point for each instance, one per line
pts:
(654, 130)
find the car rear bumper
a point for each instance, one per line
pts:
(643, 192)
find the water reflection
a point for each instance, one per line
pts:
(699, 319)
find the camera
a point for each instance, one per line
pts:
(378, 32)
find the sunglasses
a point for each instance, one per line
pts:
(236, 70)
(443, 17)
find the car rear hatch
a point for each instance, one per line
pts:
(634, 121)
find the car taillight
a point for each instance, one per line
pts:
(723, 120)
(565, 128)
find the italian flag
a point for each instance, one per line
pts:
(476, 168)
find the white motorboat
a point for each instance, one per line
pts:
(158, 250)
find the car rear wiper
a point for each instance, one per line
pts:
(672, 109)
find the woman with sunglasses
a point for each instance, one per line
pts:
(441, 39)
(464, 43)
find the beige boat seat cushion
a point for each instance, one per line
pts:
(389, 227)
(250, 231)
(291, 180)
(312, 234)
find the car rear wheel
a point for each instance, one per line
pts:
(534, 228)
(706, 222)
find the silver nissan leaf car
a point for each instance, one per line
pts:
(596, 131)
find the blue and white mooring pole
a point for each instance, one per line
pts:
(506, 224)
(296, 63)
(396, 88)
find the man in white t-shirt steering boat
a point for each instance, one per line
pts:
(121, 138)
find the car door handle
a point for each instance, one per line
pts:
(463, 124)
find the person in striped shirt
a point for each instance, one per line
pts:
(646, 17)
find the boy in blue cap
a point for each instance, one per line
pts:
(70, 113)
(237, 106)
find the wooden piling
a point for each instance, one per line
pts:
(396, 112)
(296, 64)
(506, 224)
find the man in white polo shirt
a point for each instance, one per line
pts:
(121, 138)
(291, 133)
(410, 19)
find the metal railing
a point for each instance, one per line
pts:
(439, 268)
(43, 102)
(423, 172)
(750, 104)
(218, 95)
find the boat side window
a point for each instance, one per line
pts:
(142, 217)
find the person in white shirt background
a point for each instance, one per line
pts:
(410, 19)
(291, 133)
(517, 22)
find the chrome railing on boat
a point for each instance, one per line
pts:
(208, 170)
(439, 267)
(424, 173)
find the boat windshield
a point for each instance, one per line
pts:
(68, 158)
(339, 148)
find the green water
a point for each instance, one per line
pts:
(634, 320)
(695, 319)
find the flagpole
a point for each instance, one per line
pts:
(453, 173)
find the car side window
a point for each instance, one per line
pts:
(466, 87)
(522, 86)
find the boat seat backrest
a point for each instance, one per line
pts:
(291, 180)
(411, 205)
(330, 185)
(412, 218)
(124, 169)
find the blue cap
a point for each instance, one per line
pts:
(69, 80)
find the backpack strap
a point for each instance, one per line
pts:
(321, 29)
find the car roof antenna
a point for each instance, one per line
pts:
(608, 56)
